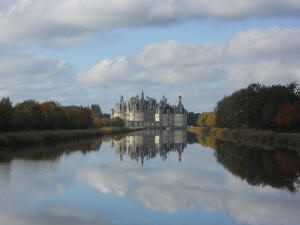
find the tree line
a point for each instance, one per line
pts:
(275, 107)
(206, 119)
(32, 115)
(278, 169)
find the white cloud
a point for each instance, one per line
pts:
(170, 68)
(267, 56)
(62, 23)
(273, 41)
(35, 76)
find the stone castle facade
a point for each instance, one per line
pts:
(147, 112)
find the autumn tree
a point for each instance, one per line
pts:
(288, 116)
(207, 119)
(96, 120)
(202, 119)
(54, 115)
(211, 119)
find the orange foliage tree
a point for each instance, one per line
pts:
(288, 116)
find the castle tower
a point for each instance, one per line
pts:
(179, 100)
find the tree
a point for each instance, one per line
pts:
(54, 115)
(85, 119)
(202, 119)
(28, 116)
(211, 119)
(255, 106)
(288, 116)
(192, 118)
(6, 114)
(96, 120)
(96, 109)
(115, 122)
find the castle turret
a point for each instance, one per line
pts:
(179, 100)
(112, 113)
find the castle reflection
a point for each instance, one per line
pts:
(149, 143)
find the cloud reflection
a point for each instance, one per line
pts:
(172, 190)
(61, 215)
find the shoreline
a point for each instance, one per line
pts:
(53, 137)
(251, 137)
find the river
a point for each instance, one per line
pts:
(149, 177)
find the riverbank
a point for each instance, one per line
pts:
(51, 137)
(251, 137)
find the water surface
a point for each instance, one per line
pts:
(150, 177)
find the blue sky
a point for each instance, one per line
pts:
(85, 52)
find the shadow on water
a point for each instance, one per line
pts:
(55, 151)
(278, 168)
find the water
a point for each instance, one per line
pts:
(152, 177)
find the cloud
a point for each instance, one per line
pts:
(175, 189)
(62, 23)
(258, 53)
(267, 56)
(205, 71)
(36, 76)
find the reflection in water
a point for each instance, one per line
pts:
(147, 144)
(51, 186)
(277, 168)
(50, 152)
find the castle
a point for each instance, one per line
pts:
(139, 111)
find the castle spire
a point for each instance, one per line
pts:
(142, 97)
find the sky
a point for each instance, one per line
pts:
(83, 52)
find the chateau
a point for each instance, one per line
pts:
(139, 111)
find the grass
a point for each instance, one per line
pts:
(252, 137)
(51, 137)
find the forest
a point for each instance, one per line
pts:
(50, 115)
(275, 107)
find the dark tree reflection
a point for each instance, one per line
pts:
(278, 168)
(50, 152)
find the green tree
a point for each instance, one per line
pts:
(192, 118)
(28, 116)
(255, 106)
(6, 114)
